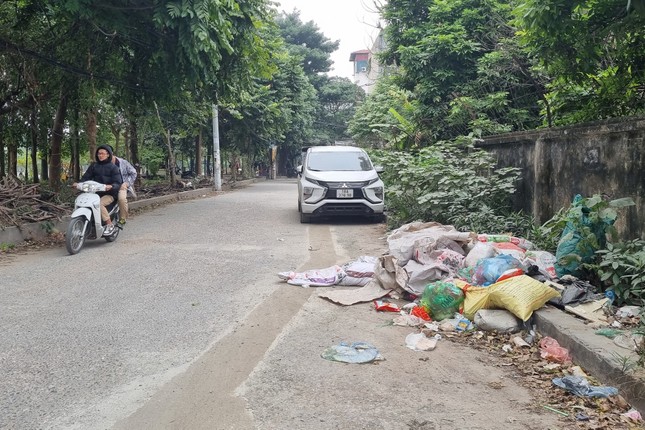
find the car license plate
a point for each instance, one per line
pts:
(345, 194)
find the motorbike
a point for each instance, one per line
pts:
(86, 222)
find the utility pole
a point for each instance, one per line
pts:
(217, 164)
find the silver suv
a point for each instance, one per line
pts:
(339, 180)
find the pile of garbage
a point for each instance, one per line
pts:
(444, 283)
(444, 272)
(492, 280)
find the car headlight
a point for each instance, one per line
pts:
(378, 192)
(307, 192)
(313, 191)
(374, 194)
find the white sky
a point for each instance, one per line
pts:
(350, 21)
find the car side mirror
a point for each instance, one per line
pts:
(379, 169)
(299, 169)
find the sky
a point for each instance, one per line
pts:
(349, 21)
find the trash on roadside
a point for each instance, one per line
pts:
(480, 251)
(504, 238)
(574, 291)
(608, 332)
(385, 306)
(457, 323)
(407, 320)
(592, 311)
(418, 311)
(521, 295)
(347, 297)
(354, 353)
(441, 299)
(489, 270)
(519, 342)
(628, 340)
(580, 386)
(544, 260)
(633, 414)
(424, 237)
(420, 342)
(574, 248)
(314, 278)
(358, 272)
(499, 320)
(551, 350)
(628, 312)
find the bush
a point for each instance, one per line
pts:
(452, 183)
(622, 269)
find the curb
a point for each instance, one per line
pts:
(40, 230)
(597, 354)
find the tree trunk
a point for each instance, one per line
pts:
(199, 166)
(134, 148)
(91, 131)
(3, 172)
(75, 162)
(171, 159)
(12, 151)
(56, 145)
(44, 152)
(34, 145)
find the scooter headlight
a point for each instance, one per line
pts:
(86, 187)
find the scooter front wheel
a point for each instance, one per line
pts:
(75, 237)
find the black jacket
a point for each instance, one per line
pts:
(104, 172)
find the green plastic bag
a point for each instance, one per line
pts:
(584, 234)
(442, 299)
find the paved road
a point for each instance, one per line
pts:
(183, 324)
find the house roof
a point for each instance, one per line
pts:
(353, 55)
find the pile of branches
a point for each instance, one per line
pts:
(21, 203)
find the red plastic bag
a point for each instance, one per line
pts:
(384, 306)
(418, 311)
(551, 350)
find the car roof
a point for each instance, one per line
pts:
(335, 149)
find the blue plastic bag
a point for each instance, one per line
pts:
(488, 270)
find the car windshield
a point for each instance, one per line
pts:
(338, 161)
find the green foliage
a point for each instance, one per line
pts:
(153, 158)
(388, 115)
(594, 52)
(306, 42)
(5, 247)
(462, 61)
(338, 98)
(451, 183)
(622, 269)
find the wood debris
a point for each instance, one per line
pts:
(25, 203)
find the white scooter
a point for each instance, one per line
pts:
(86, 218)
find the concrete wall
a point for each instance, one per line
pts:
(605, 157)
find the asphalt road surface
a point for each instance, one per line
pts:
(182, 323)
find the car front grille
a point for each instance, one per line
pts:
(337, 185)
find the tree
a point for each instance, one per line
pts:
(339, 98)
(129, 54)
(593, 51)
(460, 61)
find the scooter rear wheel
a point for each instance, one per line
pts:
(75, 237)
